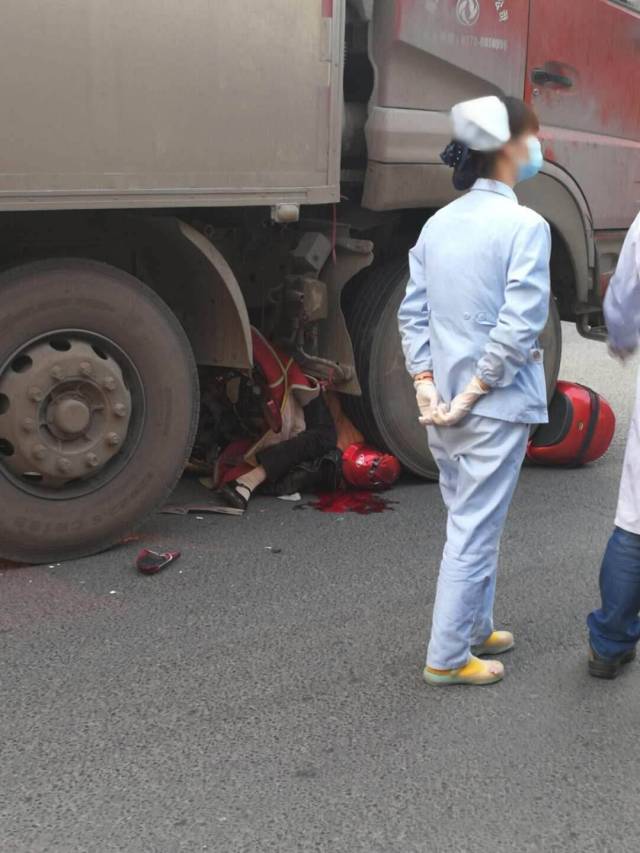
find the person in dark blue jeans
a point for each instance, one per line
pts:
(614, 628)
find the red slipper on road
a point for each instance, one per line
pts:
(151, 562)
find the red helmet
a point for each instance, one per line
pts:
(367, 468)
(580, 429)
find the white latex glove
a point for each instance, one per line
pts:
(460, 406)
(622, 355)
(427, 398)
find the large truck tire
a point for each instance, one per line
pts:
(98, 407)
(386, 413)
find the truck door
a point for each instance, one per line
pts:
(583, 79)
(431, 53)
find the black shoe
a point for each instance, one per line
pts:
(600, 667)
(231, 494)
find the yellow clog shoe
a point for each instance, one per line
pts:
(475, 671)
(495, 644)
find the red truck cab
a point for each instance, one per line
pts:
(577, 64)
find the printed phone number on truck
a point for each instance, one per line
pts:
(485, 42)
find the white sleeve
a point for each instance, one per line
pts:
(622, 300)
(413, 315)
(526, 306)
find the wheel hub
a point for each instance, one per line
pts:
(65, 412)
(70, 416)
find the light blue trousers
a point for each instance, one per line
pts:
(479, 462)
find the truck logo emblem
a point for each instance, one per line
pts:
(468, 12)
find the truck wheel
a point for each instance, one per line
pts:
(98, 407)
(386, 412)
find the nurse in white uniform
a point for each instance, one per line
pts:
(476, 303)
(614, 628)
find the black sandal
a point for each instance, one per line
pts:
(230, 492)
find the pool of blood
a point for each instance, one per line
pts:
(362, 503)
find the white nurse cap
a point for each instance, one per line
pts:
(481, 124)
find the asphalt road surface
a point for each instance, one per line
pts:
(264, 693)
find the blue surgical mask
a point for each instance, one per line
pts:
(534, 162)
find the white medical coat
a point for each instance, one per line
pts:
(622, 313)
(478, 299)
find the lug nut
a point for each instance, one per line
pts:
(28, 425)
(113, 439)
(85, 368)
(39, 452)
(120, 410)
(64, 466)
(92, 460)
(109, 383)
(35, 394)
(56, 373)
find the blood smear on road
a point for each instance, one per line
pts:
(30, 595)
(362, 503)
